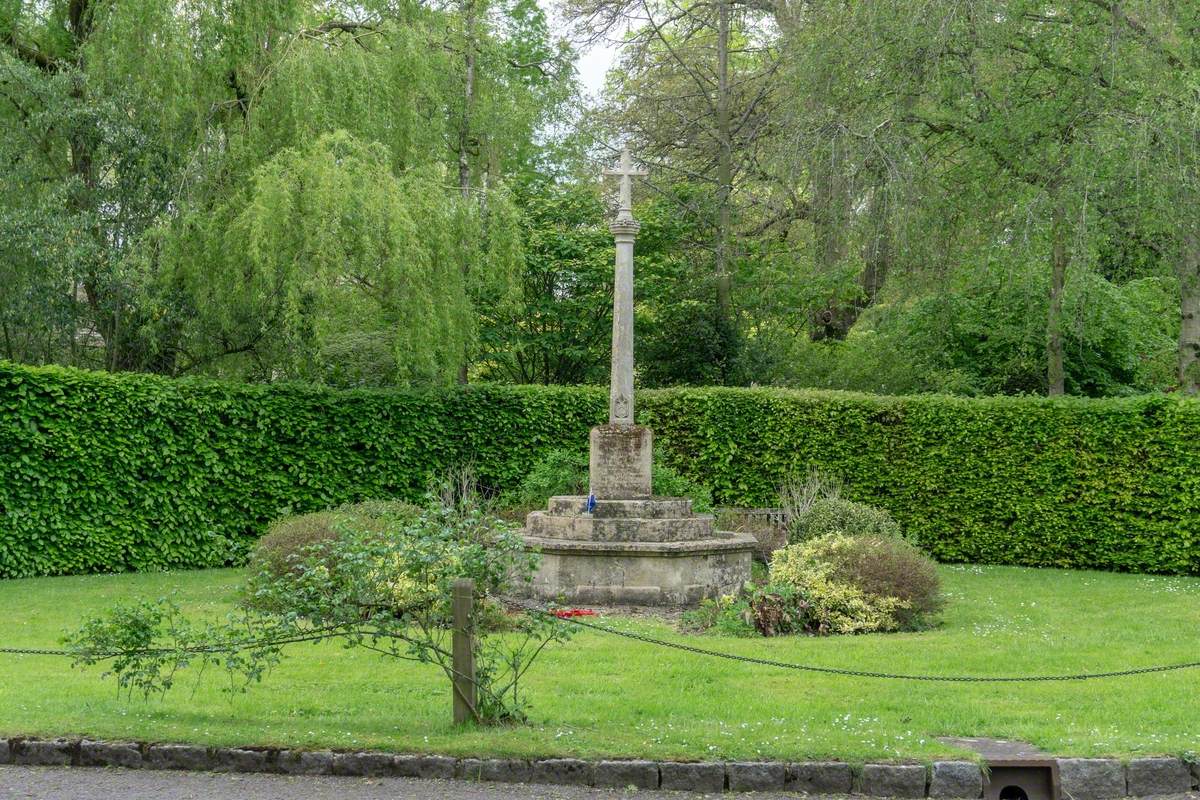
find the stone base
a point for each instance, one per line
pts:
(620, 464)
(640, 573)
(634, 552)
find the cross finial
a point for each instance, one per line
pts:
(626, 172)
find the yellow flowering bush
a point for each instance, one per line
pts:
(832, 606)
(840, 584)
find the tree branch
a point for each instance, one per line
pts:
(30, 55)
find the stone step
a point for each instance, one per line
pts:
(620, 529)
(639, 573)
(657, 508)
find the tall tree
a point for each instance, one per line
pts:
(148, 144)
(693, 92)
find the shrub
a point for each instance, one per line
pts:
(383, 582)
(113, 472)
(559, 472)
(726, 615)
(830, 515)
(293, 538)
(849, 584)
(884, 566)
(669, 483)
(797, 495)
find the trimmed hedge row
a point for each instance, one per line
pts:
(109, 472)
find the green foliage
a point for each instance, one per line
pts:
(989, 338)
(883, 566)
(559, 329)
(335, 269)
(291, 538)
(382, 582)
(667, 482)
(847, 584)
(562, 471)
(1104, 484)
(180, 208)
(836, 515)
(116, 472)
(727, 615)
(111, 472)
(565, 472)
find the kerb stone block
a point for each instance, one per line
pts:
(1153, 776)
(1091, 778)
(45, 753)
(956, 779)
(622, 774)
(110, 754)
(893, 780)
(563, 772)
(686, 777)
(819, 777)
(495, 770)
(236, 759)
(756, 776)
(302, 762)
(428, 767)
(177, 756)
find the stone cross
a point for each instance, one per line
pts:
(624, 229)
(626, 172)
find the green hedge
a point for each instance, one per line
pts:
(103, 472)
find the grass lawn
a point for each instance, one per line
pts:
(606, 696)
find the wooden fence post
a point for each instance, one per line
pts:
(463, 652)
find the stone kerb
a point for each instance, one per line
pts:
(1082, 779)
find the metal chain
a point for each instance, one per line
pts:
(228, 648)
(854, 673)
(316, 635)
(640, 637)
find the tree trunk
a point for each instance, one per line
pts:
(1055, 373)
(1188, 269)
(464, 133)
(828, 204)
(877, 255)
(724, 167)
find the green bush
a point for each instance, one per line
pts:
(669, 483)
(848, 584)
(383, 581)
(561, 471)
(295, 537)
(110, 472)
(829, 515)
(727, 615)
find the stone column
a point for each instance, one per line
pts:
(621, 457)
(620, 396)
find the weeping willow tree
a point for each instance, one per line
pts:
(260, 188)
(325, 266)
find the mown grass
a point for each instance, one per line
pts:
(606, 696)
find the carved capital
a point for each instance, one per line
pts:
(625, 227)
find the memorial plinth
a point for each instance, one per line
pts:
(621, 545)
(634, 552)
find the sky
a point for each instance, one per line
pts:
(594, 62)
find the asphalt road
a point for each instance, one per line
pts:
(95, 783)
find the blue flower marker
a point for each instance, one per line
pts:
(591, 505)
